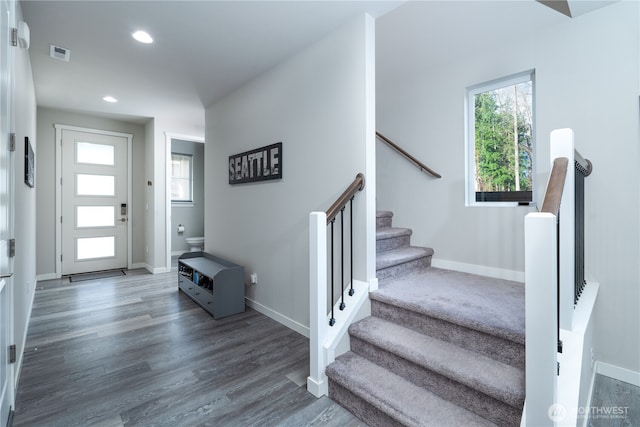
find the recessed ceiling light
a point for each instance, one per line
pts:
(109, 98)
(142, 37)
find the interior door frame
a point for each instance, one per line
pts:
(7, 283)
(59, 129)
(168, 137)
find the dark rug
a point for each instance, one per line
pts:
(96, 275)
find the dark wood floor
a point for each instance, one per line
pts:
(133, 350)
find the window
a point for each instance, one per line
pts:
(181, 182)
(500, 141)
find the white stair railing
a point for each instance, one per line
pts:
(328, 327)
(550, 274)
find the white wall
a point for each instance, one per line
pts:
(587, 71)
(24, 279)
(316, 104)
(46, 186)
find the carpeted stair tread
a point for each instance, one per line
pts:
(401, 256)
(391, 238)
(391, 232)
(402, 400)
(384, 214)
(488, 305)
(491, 377)
(383, 219)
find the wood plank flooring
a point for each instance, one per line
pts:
(133, 350)
(614, 404)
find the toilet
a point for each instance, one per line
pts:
(195, 243)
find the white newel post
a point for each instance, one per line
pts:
(317, 380)
(540, 318)
(562, 145)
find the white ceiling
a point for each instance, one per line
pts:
(203, 50)
(433, 33)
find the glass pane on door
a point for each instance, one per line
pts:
(95, 216)
(95, 185)
(95, 154)
(95, 247)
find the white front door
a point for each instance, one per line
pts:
(6, 215)
(94, 201)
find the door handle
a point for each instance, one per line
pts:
(6, 276)
(123, 219)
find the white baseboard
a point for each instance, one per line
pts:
(18, 368)
(48, 276)
(480, 270)
(137, 265)
(318, 389)
(618, 373)
(156, 270)
(278, 317)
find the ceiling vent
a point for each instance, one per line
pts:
(59, 52)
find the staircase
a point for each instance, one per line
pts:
(441, 348)
(395, 255)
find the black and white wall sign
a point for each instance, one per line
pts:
(260, 164)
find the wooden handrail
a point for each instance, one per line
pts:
(408, 156)
(553, 195)
(352, 189)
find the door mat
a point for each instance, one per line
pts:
(96, 275)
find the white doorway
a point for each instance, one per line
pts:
(94, 200)
(170, 227)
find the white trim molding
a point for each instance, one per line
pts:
(618, 373)
(480, 270)
(157, 270)
(168, 136)
(278, 317)
(48, 276)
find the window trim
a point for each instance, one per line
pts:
(189, 202)
(470, 143)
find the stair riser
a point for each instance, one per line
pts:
(384, 245)
(398, 270)
(383, 222)
(501, 413)
(497, 348)
(359, 407)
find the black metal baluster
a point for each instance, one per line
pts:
(342, 306)
(558, 285)
(576, 260)
(579, 237)
(332, 321)
(582, 229)
(351, 291)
